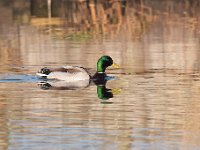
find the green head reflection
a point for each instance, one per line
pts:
(104, 93)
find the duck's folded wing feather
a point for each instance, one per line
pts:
(69, 69)
(74, 69)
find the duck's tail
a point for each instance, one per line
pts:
(41, 74)
(44, 72)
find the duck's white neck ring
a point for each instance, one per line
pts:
(100, 72)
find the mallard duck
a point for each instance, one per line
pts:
(74, 73)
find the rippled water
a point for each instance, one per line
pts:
(152, 111)
(155, 103)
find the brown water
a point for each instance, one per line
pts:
(155, 102)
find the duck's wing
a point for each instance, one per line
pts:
(72, 69)
(90, 71)
(76, 69)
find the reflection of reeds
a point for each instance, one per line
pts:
(9, 57)
(191, 23)
(9, 47)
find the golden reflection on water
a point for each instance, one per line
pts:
(151, 108)
(155, 102)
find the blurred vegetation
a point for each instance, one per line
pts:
(84, 19)
(113, 17)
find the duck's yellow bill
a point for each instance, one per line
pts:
(114, 65)
(116, 91)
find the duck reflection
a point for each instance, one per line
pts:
(63, 85)
(103, 92)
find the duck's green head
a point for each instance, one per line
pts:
(103, 63)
